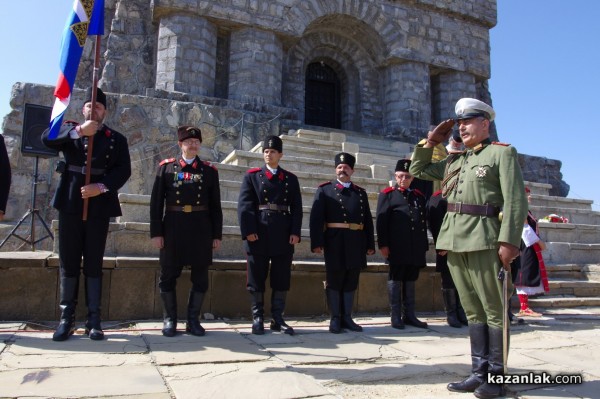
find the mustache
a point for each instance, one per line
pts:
(342, 173)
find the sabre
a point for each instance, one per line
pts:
(503, 276)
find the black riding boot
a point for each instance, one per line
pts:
(277, 307)
(258, 312)
(495, 366)
(395, 297)
(478, 334)
(347, 304)
(449, 296)
(334, 304)
(93, 294)
(69, 287)
(408, 299)
(169, 300)
(193, 314)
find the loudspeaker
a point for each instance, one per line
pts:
(35, 120)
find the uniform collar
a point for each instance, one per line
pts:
(194, 164)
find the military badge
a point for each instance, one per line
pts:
(342, 158)
(480, 172)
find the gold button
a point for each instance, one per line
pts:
(177, 201)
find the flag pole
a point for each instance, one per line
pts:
(88, 164)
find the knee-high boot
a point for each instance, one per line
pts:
(478, 334)
(408, 301)
(193, 325)
(169, 301)
(347, 304)
(258, 312)
(449, 296)
(395, 298)
(69, 287)
(335, 308)
(489, 390)
(277, 308)
(93, 293)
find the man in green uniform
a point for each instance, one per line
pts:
(481, 230)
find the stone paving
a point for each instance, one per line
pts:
(136, 361)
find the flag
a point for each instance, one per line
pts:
(85, 14)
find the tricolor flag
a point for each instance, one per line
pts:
(87, 18)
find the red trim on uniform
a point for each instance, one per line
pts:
(499, 143)
(417, 191)
(387, 190)
(338, 185)
(269, 174)
(281, 175)
(438, 192)
(107, 132)
(168, 160)
(182, 163)
(324, 184)
(195, 164)
(254, 170)
(209, 164)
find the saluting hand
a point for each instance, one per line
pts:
(440, 134)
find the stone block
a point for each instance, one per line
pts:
(131, 293)
(28, 293)
(372, 292)
(230, 297)
(307, 294)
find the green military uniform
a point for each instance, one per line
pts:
(486, 174)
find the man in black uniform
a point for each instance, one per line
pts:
(110, 169)
(402, 240)
(5, 177)
(186, 224)
(270, 216)
(341, 227)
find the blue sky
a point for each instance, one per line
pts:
(545, 75)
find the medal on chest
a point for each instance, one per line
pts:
(480, 172)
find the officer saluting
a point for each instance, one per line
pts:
(270, 216)
(341, 226)
(479, 241)
(402, 239)
(186, 223)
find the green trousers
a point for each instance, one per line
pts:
(475, 275)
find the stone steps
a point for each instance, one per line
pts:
(565, 252)
(565, 301)
(569, 232)
(574, 287)
(575, 215)
(560, 204)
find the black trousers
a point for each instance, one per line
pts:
(258, 268)
(169, 274)
(343, 280)
(77, 239)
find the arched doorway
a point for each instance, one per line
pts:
(322, 99)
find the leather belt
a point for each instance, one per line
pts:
(187, 208)
(351, 226)
(81, 169)
(274, 207)
(479, 210)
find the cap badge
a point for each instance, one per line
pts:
(342, 157)
(405, 165)
(480, 172)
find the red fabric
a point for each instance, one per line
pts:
(524, 300)
(543, 274)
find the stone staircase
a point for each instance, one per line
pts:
(131, 264)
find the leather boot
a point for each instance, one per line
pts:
(395, 298)
(478, 334)
(449, 296)
(408, 301)
(193, 325)
(277, 307)
(69, 287)
(334, 304)
(169, 300)
(495, 366)
(347, 304)
(93, 294)
(258, 312)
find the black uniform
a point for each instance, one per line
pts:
(111, 166)
(280, 196)
(5, 175)
(185, 209)
(345, 249)
(401, 227)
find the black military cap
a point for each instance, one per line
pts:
(345, 158)
(187, 132)
(100, 96)
(403, 165)
(273, 143)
